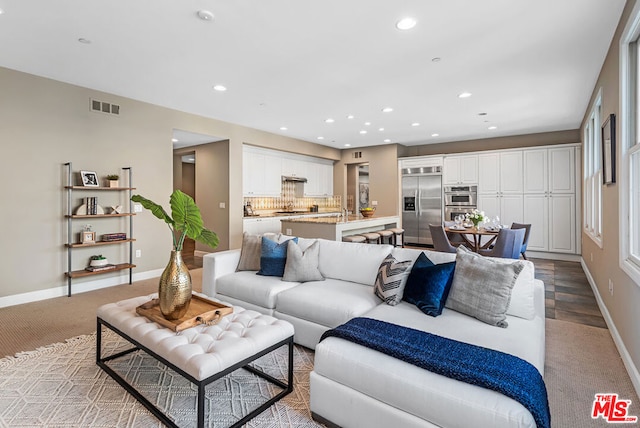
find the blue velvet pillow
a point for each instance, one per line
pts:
(428, 287)
(273, 257)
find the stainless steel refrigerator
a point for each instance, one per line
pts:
(421, 203)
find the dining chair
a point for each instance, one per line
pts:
(440, 241)
(507, 245)
(527, 228)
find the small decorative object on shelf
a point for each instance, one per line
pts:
(98, 260)
(367, 211)
(89, 178)
(87, 236)
(116, 209)
(113, 180)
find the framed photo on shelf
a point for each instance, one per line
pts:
(609, 150)
(87, 237)
(89, 178)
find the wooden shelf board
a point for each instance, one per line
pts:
(81, 273)
(100, 215)
(98, 188)
(98, 243)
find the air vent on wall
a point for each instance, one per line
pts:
(357, 155)
(104, 107)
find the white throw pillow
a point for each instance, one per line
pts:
(391, 279)
(482, 287)
(302, 266)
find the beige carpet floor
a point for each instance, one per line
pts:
(581, 360)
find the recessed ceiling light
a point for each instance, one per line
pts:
(367, 124)
(387, 140)
(205, 15)
(174, 140)
(363, 132)
(464, 95)
(350, 116)
(482, 114)
(387, 110)
(436, 59)
(492, 127)
(381, 129)
(329, 120)
(220, 88)
(320, 138)
(415, 124)
(347, 145)
(283, 128)
(435, 135)
(1, 11)
(406, 23)
(84, 41)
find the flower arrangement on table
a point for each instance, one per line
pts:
(476, 217)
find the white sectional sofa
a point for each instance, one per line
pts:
(354, 386)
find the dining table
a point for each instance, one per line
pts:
(473, 236)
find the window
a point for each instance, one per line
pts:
(592, 209)
(629, 177)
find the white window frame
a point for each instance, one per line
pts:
(592, 180)
(629, 143)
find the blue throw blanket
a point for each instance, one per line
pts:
(488, 368)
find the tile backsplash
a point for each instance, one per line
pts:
(266, 203)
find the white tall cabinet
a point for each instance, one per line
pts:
(550, 199)
(460, 170)
(500, 185)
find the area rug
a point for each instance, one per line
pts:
(61, 386)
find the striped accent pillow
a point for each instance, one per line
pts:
(389, 279)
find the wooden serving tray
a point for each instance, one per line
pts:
(201, 311)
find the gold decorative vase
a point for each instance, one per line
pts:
(174, 290)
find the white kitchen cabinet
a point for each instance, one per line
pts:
(319, 179)
(508, 207)
(460, 169)
(259, 226)
(261, 173)
(294, 167)
(500, 173)
(550, 199)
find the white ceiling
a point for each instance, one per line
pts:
(530, 64)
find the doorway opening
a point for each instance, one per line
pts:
(358, 187)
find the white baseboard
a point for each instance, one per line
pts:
(632, 370)
(49, 293)
(554, 256)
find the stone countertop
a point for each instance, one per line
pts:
(354, 218)
(295, 213)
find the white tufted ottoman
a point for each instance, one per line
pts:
(201, 354)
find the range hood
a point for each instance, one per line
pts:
(294, 179)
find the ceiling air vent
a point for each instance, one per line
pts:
(104, 107)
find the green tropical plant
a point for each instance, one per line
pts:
(113, 177)
(185, 219)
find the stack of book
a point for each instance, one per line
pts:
(100, 268)
(92, 205)
(108, 237)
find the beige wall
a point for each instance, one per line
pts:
(45, 123)
(511, 142)
(623, 305)
(383, 176)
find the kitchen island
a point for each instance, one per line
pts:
(335, 228)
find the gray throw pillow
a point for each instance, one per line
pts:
(251, 250)
(302, 266)
(482, 287)
(389, 279)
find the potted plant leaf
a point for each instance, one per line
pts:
(113, 180)
(174, 290)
